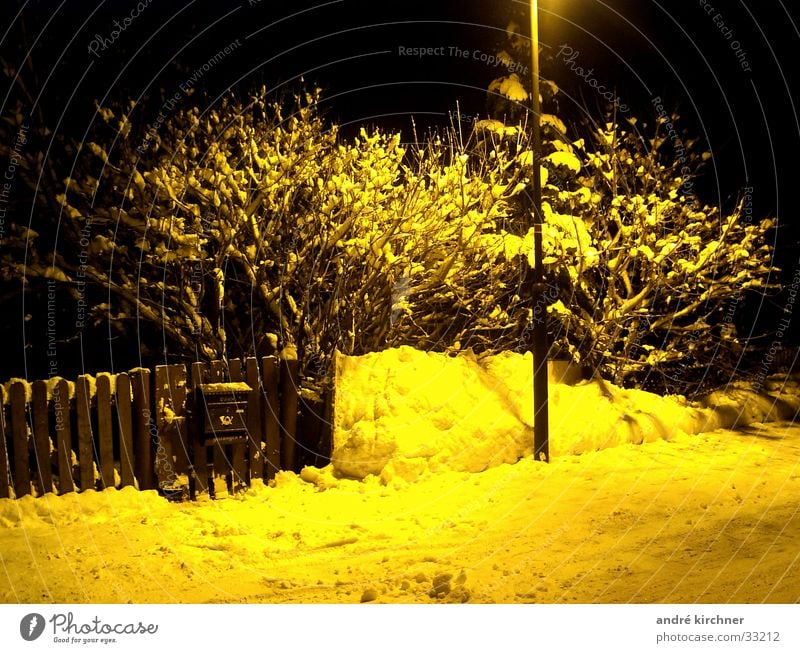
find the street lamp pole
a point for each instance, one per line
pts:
(541, 427)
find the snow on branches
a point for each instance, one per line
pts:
(251, 227)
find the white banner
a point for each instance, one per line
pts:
(393, 628)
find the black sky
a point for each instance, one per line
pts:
(680, 50)
(729, 68)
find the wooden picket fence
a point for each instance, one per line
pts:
(131, 429)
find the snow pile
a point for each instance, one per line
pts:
(88, 508)
(402, 412)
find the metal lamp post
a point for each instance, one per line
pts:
(541, 427)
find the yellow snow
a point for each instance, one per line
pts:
(709, 518)
(679, 518)
(401, 413)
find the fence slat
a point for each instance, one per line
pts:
(289, 380)
(326, 432)
(19, 434)
(61, 415)
(163, 443)
(164, 449)
(5, 472)
(216, 374)
(142, 419)
(311, 422)
(272, 425)
(85, 436)
(41, 436)
(235, 369)
(254, 420)
(238, 451)
(199, 480)
(170, 402)
(124, 417)
(105, 433)
(177, 384)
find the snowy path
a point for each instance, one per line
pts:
(707, 518)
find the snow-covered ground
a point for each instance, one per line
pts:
(709, 517)
(402, 413)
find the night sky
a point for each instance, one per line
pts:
(728, 70)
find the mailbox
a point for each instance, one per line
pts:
(222, 412)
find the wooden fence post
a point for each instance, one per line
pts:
(170, 408)
(41, 436)
(272, 412)
(19, 434)
(142, 424)
(5, 471)
(238, 451)
(198, 452)
(254, 420)
(124, 417)
(61, 414)
(289, 380)
(326, 430)
(85, 436)
(105, 434)
(216, 374)
(309, 430)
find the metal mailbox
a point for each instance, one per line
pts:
(222, 412)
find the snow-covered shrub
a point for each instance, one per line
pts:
(645, 280)
(242, 230)
(252, 228)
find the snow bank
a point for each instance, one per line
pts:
(89, 507)
(402, 413)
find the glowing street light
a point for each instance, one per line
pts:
(541, 427)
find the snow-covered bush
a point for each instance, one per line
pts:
(644, 279)
(252, 228)
(241, 230)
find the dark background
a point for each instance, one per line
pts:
(641, 49)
